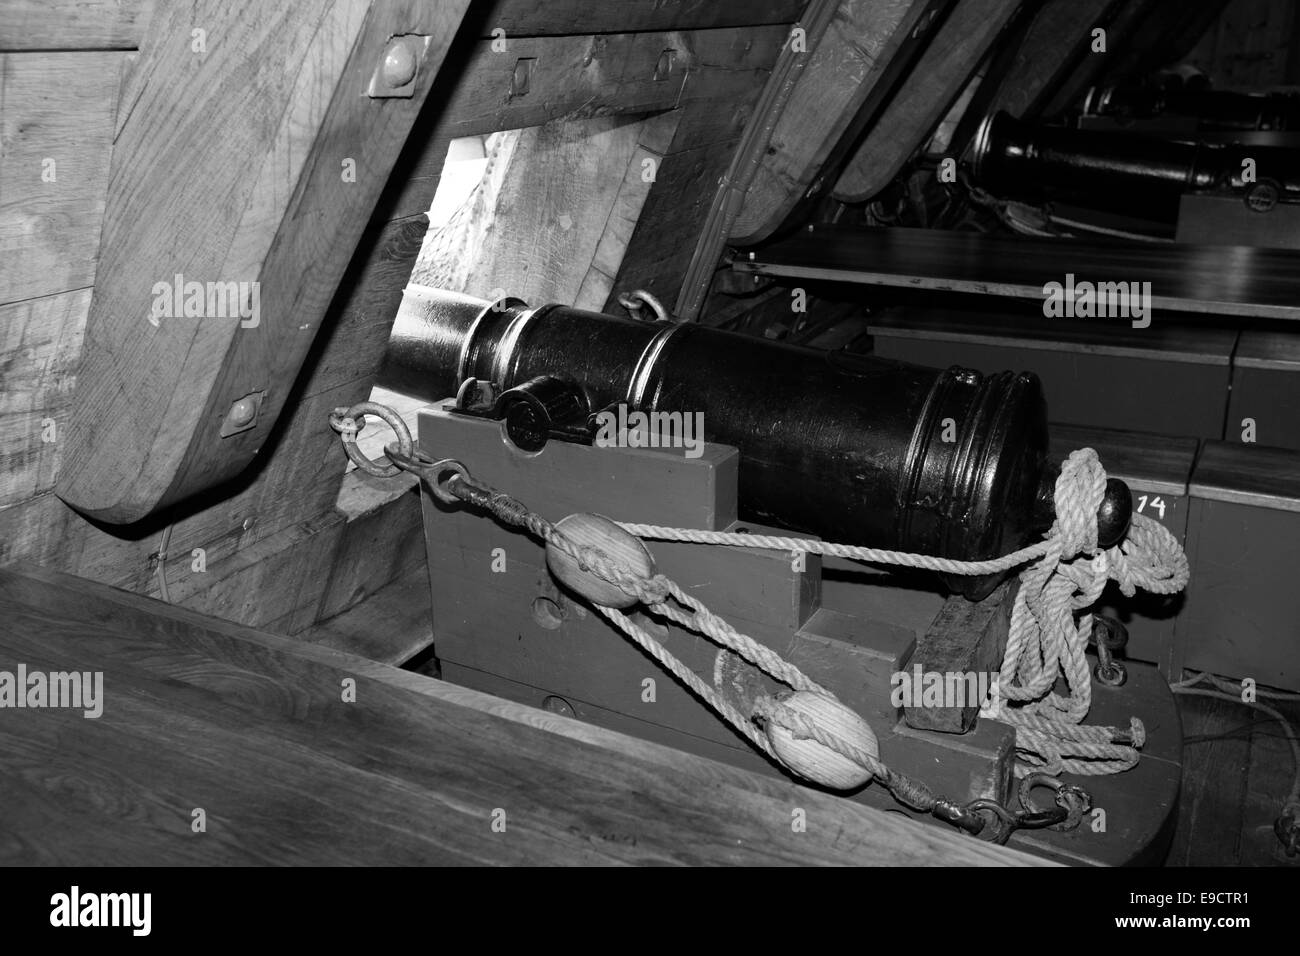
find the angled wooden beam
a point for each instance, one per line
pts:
(242, 179)
(947, 64)
(866, 49)
(1056, 44)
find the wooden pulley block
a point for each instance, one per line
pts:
(814, 761)
(621, 547)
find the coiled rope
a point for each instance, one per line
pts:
(1067, 574)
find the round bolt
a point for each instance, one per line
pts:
(558, 705)
(242, 412)
(1114, 676)
(399, 64)
(1262, 197)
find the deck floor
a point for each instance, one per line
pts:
(1237, 769)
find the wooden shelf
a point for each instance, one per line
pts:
(1220, 280)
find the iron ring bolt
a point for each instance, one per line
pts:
(1076, 802)
(441, 487)
(349, 422)
(431, 472)
(949, 812)
(1113, 636)
(1071, 803)
(1000, 827)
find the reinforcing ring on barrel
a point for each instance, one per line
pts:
(349, 422)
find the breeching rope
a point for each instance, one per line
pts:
(809, 730)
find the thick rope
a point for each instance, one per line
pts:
(926, 562)
(1044, 641)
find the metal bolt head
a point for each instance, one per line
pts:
(1114, 676)
(519, 79)
(242, 412)
(558, 705)
(399, 63)
(1262, 197)
(664, 66)
(924, 24)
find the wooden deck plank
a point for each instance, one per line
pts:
(251, 727)
(1218, 280)
(1214, 785)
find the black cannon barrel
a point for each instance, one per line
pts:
(851, 448)
(1015, 158)
(1213, 109)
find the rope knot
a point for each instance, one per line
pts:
(1080, 489)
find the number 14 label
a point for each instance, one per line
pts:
(1154, 503)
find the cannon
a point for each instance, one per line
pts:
(1124, 170)
(849, 447)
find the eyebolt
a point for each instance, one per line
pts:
(357, 414)
(999, 831)
(1114, 676)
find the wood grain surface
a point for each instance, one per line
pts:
(56, 127)
(253, 729)
(72, 24)
(866, 48)
(230, 168)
